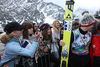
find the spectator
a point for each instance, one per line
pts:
(94, 48)
(13, 45)
(55, 40)
(75, 25)
(27, 43)
(44, 46)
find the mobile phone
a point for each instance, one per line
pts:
(25, 44)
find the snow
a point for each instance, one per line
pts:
(50, 20)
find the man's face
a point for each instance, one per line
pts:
(89, 28)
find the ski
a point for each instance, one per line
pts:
(69, 5)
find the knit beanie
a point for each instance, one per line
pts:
(87, 20)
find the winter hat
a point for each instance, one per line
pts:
(87, 20)
(44, 26)
(13, 26)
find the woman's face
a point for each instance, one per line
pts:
(35, 26)
(30, 31)
(49, 31)
(89, 28)
(57, 25)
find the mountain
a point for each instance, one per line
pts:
(31, 10)
(51, 10)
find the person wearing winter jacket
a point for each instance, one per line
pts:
(95, 48)
(13, 46)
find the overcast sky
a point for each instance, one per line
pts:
(85, 4)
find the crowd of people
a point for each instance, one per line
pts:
(30, 45)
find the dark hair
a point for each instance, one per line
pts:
(45, 35)
(44, 26)
(13, 26)
(34, 28)
(27, 25)
(98, 26)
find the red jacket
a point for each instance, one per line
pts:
(95, 47)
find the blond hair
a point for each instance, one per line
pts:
(5, 38)
(54, 26)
